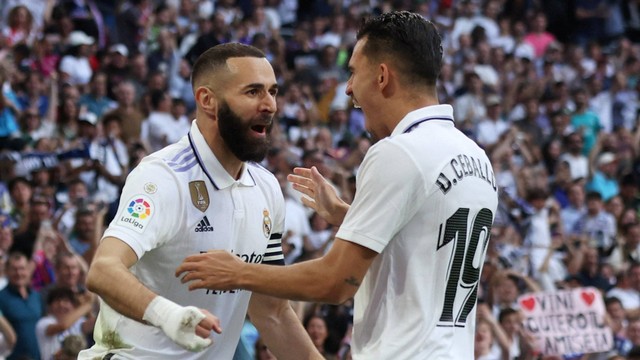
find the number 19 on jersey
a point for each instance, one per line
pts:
(465, 261)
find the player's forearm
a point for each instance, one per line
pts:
(307, 281)
(291, 335)
(281, 329)
(120, 289)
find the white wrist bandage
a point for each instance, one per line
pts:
(178, 322)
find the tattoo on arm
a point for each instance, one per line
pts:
(352, 281)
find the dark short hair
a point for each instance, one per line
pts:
(18, 180)
(111, 116)
(15, 256)
(537, 194)
(506, 312)
(61, 293)
(156, 98)
(612, 300)
(311, 316)
(594, 195)
(409, 39)
(177, 101)
(216, 58)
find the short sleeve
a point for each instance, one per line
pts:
(389, 192)
(147, 215)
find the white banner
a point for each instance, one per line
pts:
(566, 322)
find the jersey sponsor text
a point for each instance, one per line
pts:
(248, 258)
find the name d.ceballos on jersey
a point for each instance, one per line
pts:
(463, 166)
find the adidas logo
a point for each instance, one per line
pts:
(204, 225)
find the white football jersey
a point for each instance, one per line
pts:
(178, 202)
(425, 201)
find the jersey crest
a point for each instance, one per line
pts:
(266, 223)
(199, 195)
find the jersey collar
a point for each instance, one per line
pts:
(415, 117)
(207, 160)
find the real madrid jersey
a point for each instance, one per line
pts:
(178, 202)
(425, 201)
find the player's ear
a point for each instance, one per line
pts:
(206, 99)
(383, 76)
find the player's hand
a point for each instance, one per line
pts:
(319, 194)
(190, 328)
(208, 324)
(215, 270)
(187, 326)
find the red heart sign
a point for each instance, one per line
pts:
(588, 297)
(528, 304)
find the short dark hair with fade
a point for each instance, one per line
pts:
(409, 39)
(216, 58)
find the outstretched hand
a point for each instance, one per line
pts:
(319, 194)
(214, 270)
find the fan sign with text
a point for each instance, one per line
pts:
(566, 322)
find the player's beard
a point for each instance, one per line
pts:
(236, 134)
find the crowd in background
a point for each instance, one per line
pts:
(548, 88)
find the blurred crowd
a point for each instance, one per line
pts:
(548, 88)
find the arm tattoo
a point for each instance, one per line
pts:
(352, 281)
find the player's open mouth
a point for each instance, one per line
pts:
(260, 129)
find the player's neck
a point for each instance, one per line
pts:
(220, 150)
(398, 108)
(227, 159)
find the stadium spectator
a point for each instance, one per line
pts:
(67, 314)
(21, 305)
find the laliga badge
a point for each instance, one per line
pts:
(136, 214)
(199, 195)
(266, 223)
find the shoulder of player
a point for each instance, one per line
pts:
(164, 166)
(178, 157)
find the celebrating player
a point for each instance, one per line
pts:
(412, 244)
(201, 193)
